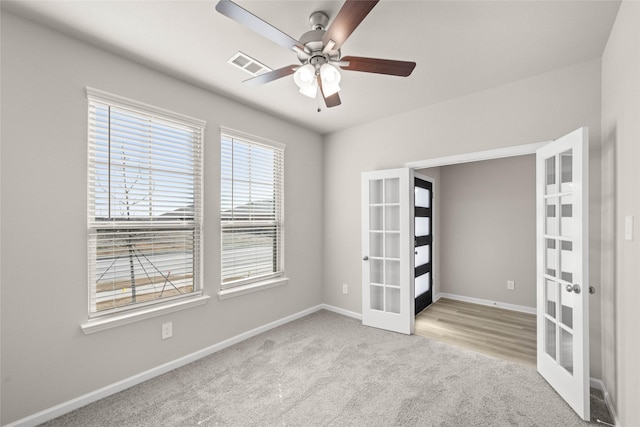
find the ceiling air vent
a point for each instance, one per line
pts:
(248, 64)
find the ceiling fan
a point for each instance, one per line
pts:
(318, 50)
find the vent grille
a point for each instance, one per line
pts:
(248, 64)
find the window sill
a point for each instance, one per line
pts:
(253, 287)
(108, 322)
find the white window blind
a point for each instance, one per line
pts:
(145, 204)
(252, 220)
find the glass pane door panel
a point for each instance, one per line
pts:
(551, 216)
(392, 218)
(552, 298)
(566, 312)
(422, 255)
(551, 257)
(422, 226)
(377, 297)
(566, 216)
(562, 244)
(566, 350)
(392, 272)
(550, 338)
(376, 271)
(422, 284)
(393, 300)
(376, 244)
(550, 174)
(566, 172)
(422, 197)
(566, 261)
(392, 190)
(375, 191)
(392, 245)
(375, 218)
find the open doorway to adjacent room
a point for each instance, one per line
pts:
(482, 255)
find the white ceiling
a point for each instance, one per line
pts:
(460, 47)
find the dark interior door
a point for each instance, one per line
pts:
(423, 274)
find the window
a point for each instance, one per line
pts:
(145, 204)
(252, 175)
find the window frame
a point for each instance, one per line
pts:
(276, 278)
(104, 319)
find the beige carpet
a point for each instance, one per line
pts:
(329, 370)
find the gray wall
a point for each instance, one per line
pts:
(537, 109)
(487, 229)
(46, 359)
(620, 285)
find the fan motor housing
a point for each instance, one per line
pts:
(312, 40)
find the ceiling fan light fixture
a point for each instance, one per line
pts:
(311, 90)
(319, 50)
(329, 74)
(330, 77)
(305, 76)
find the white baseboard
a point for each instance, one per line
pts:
(599, 385)
(342, 311)
(513, 307)
(78, 402)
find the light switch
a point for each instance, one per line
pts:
(628, 228)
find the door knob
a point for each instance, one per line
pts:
(592, 290)
(573, 288)
(365, 258)
(576, 289)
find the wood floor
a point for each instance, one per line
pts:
(494, 331)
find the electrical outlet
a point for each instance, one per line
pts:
(345, 288)
(167, 330)
(511, 285)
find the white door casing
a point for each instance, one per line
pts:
(387, 252)
(562, 196)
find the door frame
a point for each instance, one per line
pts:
(476, 156)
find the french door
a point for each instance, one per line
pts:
(562, 267)
(387, 246)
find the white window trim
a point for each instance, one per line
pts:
(276, 279)
(109, 98)
(236, 291)
(135, 315)
(98, 322)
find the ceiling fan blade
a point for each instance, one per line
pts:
(271, 75)
(350, 16)
(379, 66)
(248, 19)
(331, 100)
